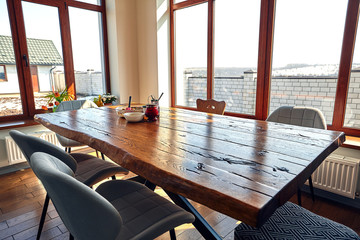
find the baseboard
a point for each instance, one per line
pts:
(355, 203)
(14, 168)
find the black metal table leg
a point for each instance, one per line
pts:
(200, 223)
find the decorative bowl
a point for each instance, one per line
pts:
(121, 110)
(134, 116)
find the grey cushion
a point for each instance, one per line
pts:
(30, 144)
(291, 221)
(87, 168)
(86, 215)
(118, 210)
(75, 104)
(67, 142)
(300, 116)
(68, 106)
(91, 170)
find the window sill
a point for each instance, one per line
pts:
(17, 123)
(352, 142)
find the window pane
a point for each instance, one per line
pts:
(191, 54)
(236, 53)
(86, 38)
(352, 114)
(3, 77)
(45, 50)
(10, 98)
(306, 53)
(96, 2)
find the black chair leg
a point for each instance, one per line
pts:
(299, 196)
(102, 156)
(311, 189)
(69, 150)
(172, 234)
(43, 216)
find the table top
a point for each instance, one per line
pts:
(243, 168)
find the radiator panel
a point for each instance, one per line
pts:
(337, 174)
(14, 153)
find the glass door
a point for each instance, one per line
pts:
(44, 47)
(11, 102)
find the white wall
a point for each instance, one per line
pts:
(44, 78)
(123, 49)
(12, 85)
(132, 33)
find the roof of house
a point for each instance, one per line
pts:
(41, 52)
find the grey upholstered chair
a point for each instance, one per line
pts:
(118, 209)
(300, 116)
(88, 169)
(291, 221)
(68, 106)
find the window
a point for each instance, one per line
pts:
(352, 116)
(11, 101)
(296, 55)
(236, 42)
(3, 77)
(306, 54)
(191, 54)
(87, 52)
(42, 53)
(44, 45)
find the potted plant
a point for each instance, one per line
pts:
(56, 97)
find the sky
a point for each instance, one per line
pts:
(306, 31)
(42, 22)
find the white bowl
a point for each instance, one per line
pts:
(121, 110)
(134, 116)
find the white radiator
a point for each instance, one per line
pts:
(14, 153)
(337, 174)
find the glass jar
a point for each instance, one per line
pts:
(152, 112)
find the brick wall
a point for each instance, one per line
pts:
(239, 93)
(87, 83)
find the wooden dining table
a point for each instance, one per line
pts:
(240, 167)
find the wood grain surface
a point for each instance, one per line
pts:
(240, 167)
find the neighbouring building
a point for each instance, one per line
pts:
(43, 58)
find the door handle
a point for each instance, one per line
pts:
(26, 60)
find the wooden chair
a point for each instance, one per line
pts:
(118, 209)
(211, 106)
(299, 116)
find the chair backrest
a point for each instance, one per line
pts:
(300, 116)
(75, 105)
(211, 106)
(86, 214)
(30, 144)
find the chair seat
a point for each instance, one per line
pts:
(66, 142)
(91, 170)
(145, 215)
(291, 221)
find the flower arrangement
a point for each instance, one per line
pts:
(108, 98)
(55, 98)
(104, 99)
